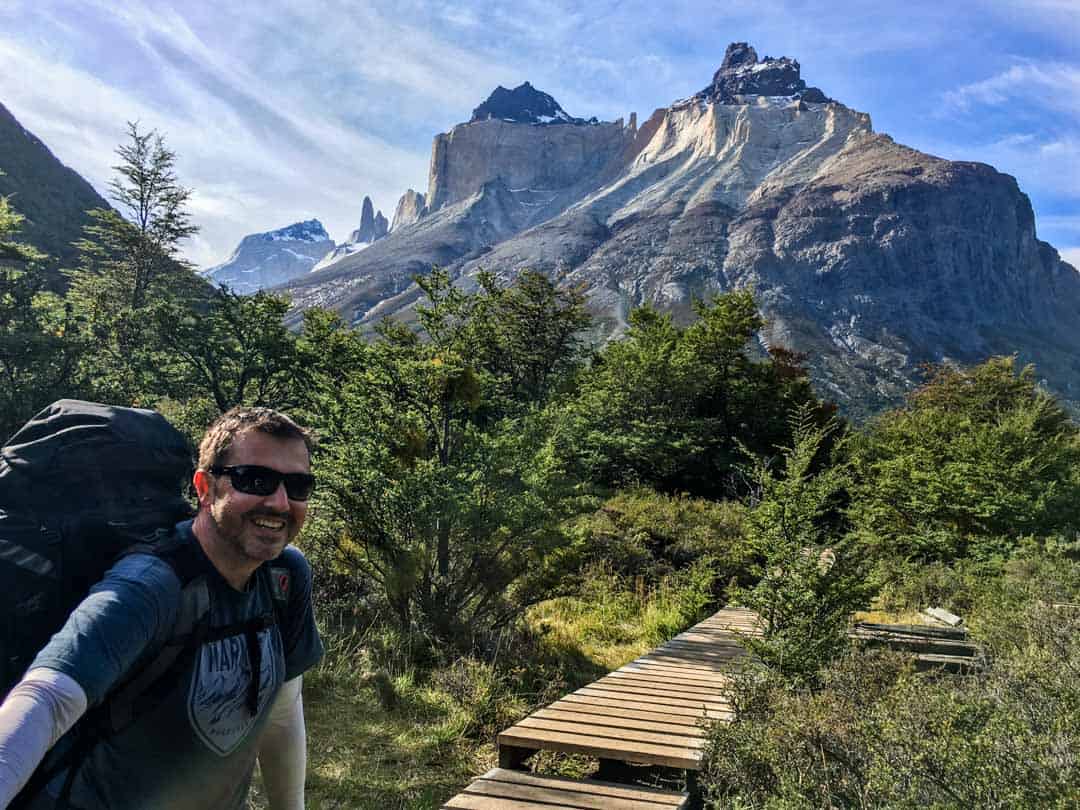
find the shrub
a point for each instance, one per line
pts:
(877, 734)
(642, 533)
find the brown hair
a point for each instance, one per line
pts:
(221, 434)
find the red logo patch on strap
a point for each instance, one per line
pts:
(280, 582)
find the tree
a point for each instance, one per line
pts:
(811, 574)
(128, 260)
(434, 499)
(136, 249)
(975, 459)
(668, 406)
(36, 352)
(229, 348)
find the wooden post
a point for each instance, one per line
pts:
(693, 788)
(512, 758)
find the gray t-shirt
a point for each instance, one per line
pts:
(194, 746)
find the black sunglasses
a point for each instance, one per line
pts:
(252, 479)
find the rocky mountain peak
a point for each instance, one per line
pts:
(373, 225)
(310, 230)
(263, 260)
(743, 74)
(524, 105)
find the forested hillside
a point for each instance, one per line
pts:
(505, 510)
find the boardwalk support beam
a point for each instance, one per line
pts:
(512, 757)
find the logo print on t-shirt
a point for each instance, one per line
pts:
(217, 702)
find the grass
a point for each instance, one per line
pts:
(383, 734)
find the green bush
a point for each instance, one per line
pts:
(975, 460)
(877, 734)
(642, 533)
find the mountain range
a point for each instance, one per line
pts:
(868, 256)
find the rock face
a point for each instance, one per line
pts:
(545, 165)
(264, 260)
(870, 257)
(53, 198)
(373, 226)
(409, 209)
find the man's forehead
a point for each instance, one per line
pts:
(253, 446)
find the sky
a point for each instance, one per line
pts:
(281, 110)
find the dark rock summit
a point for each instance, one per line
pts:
(524, 105)
(310, 230)
(742, 74)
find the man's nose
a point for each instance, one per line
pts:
(279, 498)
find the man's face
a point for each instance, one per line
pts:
(257, 527)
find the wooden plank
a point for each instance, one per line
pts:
(678, 673)
(709, 648)
(672, 660)
(665, 798)
(632, 691)
(543, 792)
(655, 698)
(604, 747)
(673, 684)
(697, 656)
(570, 715)
(621, 711)
(644, 708)
(622, 735)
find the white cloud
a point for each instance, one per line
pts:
(284, 158)
(1042, 164)
(1055, 86)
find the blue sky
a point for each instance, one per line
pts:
(281, 111)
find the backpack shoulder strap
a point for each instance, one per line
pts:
(188, 631)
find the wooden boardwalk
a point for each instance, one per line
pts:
(649, 712)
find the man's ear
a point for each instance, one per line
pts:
(201, 481)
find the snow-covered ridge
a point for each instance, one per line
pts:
(308, 231)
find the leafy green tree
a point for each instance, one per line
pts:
(129, 259)
(434, 501)
(811, 576)
(668, 406)
(36, 352)
(976, 459)
(229, 348)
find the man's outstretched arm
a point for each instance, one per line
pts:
(36, 713)
(283, 749)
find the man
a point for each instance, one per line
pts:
(235, 697)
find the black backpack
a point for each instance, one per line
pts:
(80, 484)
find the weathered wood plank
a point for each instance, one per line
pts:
(641, 708)
(672, 683)
(621, 735)
(666, 798)
(657, 698)
(566, 715)
(674, 673)
(649, 711)
(605, 747)
(513, 790)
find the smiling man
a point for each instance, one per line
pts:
(232, 694)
